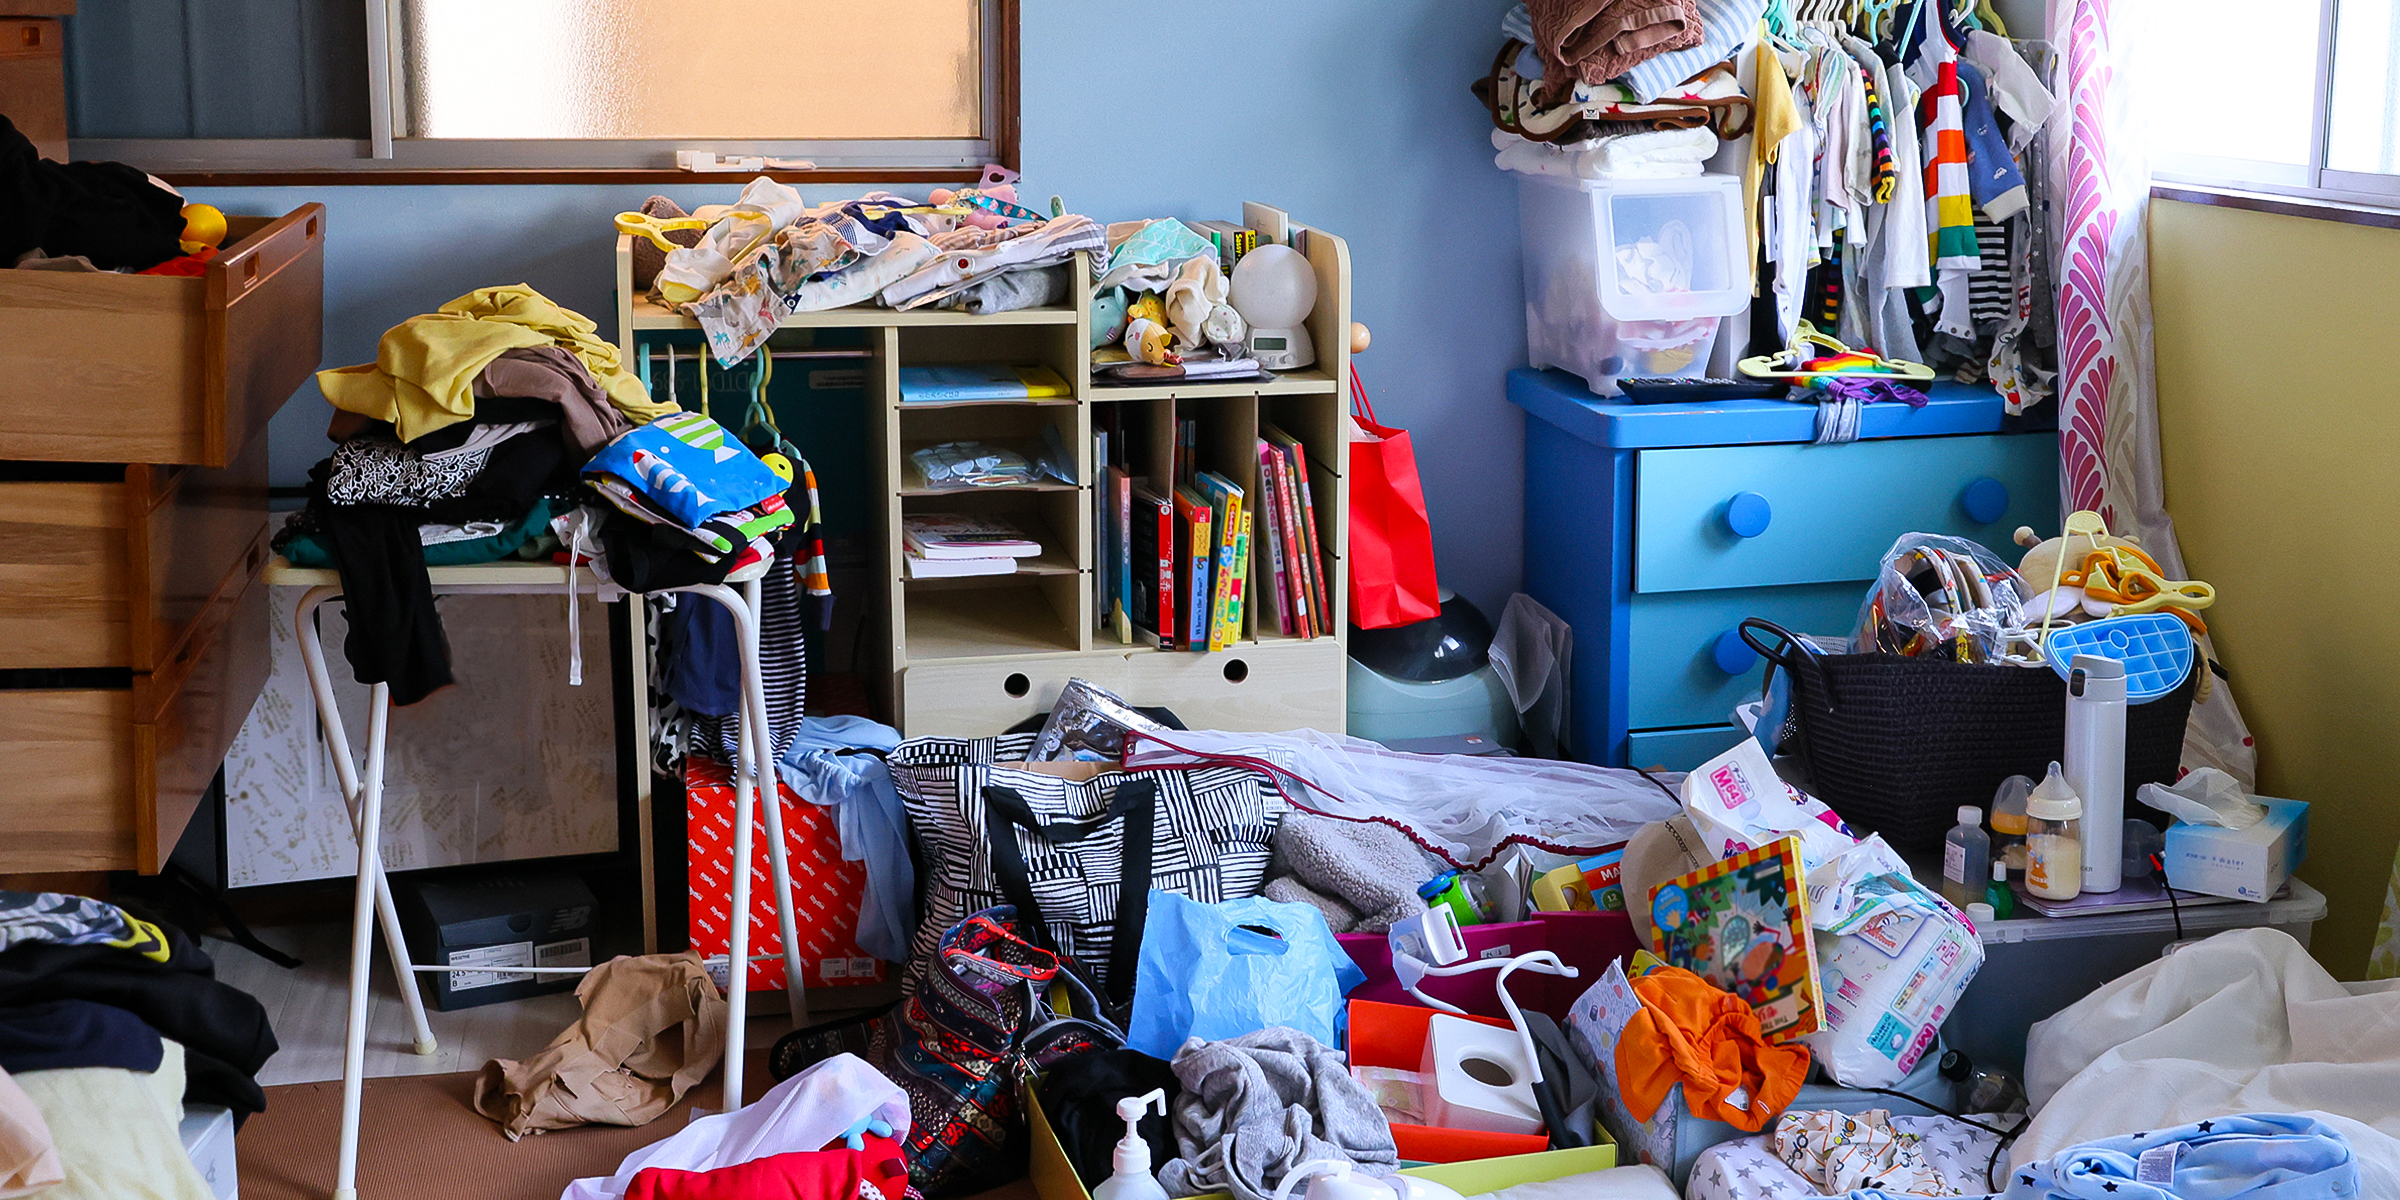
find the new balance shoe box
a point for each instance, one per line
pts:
(491, 924)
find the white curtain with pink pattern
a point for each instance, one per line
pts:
(2107, 386)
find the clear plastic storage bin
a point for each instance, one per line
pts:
(1630, 277)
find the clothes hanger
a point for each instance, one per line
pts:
(1787, 363)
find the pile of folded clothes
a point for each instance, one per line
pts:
(769, 254)
(693, 487)
(460, 443)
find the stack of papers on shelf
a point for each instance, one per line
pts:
(980, 381)
(951, 545)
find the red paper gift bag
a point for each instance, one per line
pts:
(826, 890)
(1391, 539)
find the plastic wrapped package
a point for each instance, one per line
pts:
(1088, 724)
(1947, 597)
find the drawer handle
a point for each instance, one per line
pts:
(1731, 654)
(1986, 500)
(1748, 514)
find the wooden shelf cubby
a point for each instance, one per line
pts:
(971, 656)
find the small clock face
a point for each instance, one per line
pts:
(1267, 343)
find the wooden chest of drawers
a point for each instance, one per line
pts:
(133, 529)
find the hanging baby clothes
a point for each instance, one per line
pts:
(1950, 210)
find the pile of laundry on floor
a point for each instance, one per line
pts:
(110, 1024)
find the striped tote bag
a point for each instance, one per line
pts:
(1075, 847)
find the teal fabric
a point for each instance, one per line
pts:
(308, 550)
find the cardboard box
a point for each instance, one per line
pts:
(494, 923)
(2246, 864)
(1054, 1177)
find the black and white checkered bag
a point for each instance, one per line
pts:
(1081, 853)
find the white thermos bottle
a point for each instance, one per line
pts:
(2095, 764)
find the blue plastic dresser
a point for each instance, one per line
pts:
(1654, 529)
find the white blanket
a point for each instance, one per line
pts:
(2243, 1022)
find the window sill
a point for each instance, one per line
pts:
(2312, 208)
(462, 176)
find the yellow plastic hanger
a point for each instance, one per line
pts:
(643, 225)
(1785, 364)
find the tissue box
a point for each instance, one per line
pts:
(2246, 864)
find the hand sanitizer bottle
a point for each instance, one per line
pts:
(1133, 1180)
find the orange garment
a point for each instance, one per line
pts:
(1690, 1032)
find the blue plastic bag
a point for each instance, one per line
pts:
(1217, 971)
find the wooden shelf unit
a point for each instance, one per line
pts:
(970, 656)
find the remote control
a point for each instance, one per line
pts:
(1678, 390)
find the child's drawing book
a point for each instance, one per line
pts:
(1742, 924)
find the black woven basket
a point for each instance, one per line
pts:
(1896, 744)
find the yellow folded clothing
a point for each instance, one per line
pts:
(424, 371)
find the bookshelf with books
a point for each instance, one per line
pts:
(957, 651)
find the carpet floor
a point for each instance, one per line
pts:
(423, 1140)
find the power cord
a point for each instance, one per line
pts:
(2158, 863)
(1991, 1167)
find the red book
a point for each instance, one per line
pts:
(1287, 512)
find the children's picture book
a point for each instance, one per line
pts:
(1742, 924)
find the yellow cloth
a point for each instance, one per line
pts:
(1775, 117)
(424, 371)
(114, 1131)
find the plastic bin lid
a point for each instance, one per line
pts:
(1671, 249)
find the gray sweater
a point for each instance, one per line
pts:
(1256, 1106)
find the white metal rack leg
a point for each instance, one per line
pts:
(362, 794)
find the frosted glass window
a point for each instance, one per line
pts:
(2364, 125)
(733, 70)
(2200, 107)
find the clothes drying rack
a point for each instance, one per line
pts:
(362, 793)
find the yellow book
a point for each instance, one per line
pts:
(1220, 609)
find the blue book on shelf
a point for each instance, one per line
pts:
(980, 381)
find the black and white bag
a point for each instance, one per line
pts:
(1075, 847)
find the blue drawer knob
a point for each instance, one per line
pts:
(1747, 514)
(1986, 500)
(1731, 654)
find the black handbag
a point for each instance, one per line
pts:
(1896, 745)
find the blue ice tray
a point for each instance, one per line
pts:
(2156, 649)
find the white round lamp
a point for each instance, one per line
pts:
(1275, 289)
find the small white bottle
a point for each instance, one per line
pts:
(2054, 839)
(1966, 858)
(1133, 1180)
(2095, 764)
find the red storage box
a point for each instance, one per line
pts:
(826, 889)
(1586, 941)
(1393, 1035)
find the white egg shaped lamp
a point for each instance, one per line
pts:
(1275, 289)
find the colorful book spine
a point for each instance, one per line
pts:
(1121, 485)
(1274, 603)
(1314, 535)
(1287, 515)
(1192, 565)
(1236, 610)
(1159, 513)
(1229, 522)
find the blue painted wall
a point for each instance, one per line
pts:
(1352, 114)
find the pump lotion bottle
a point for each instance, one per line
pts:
(2095, 764)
